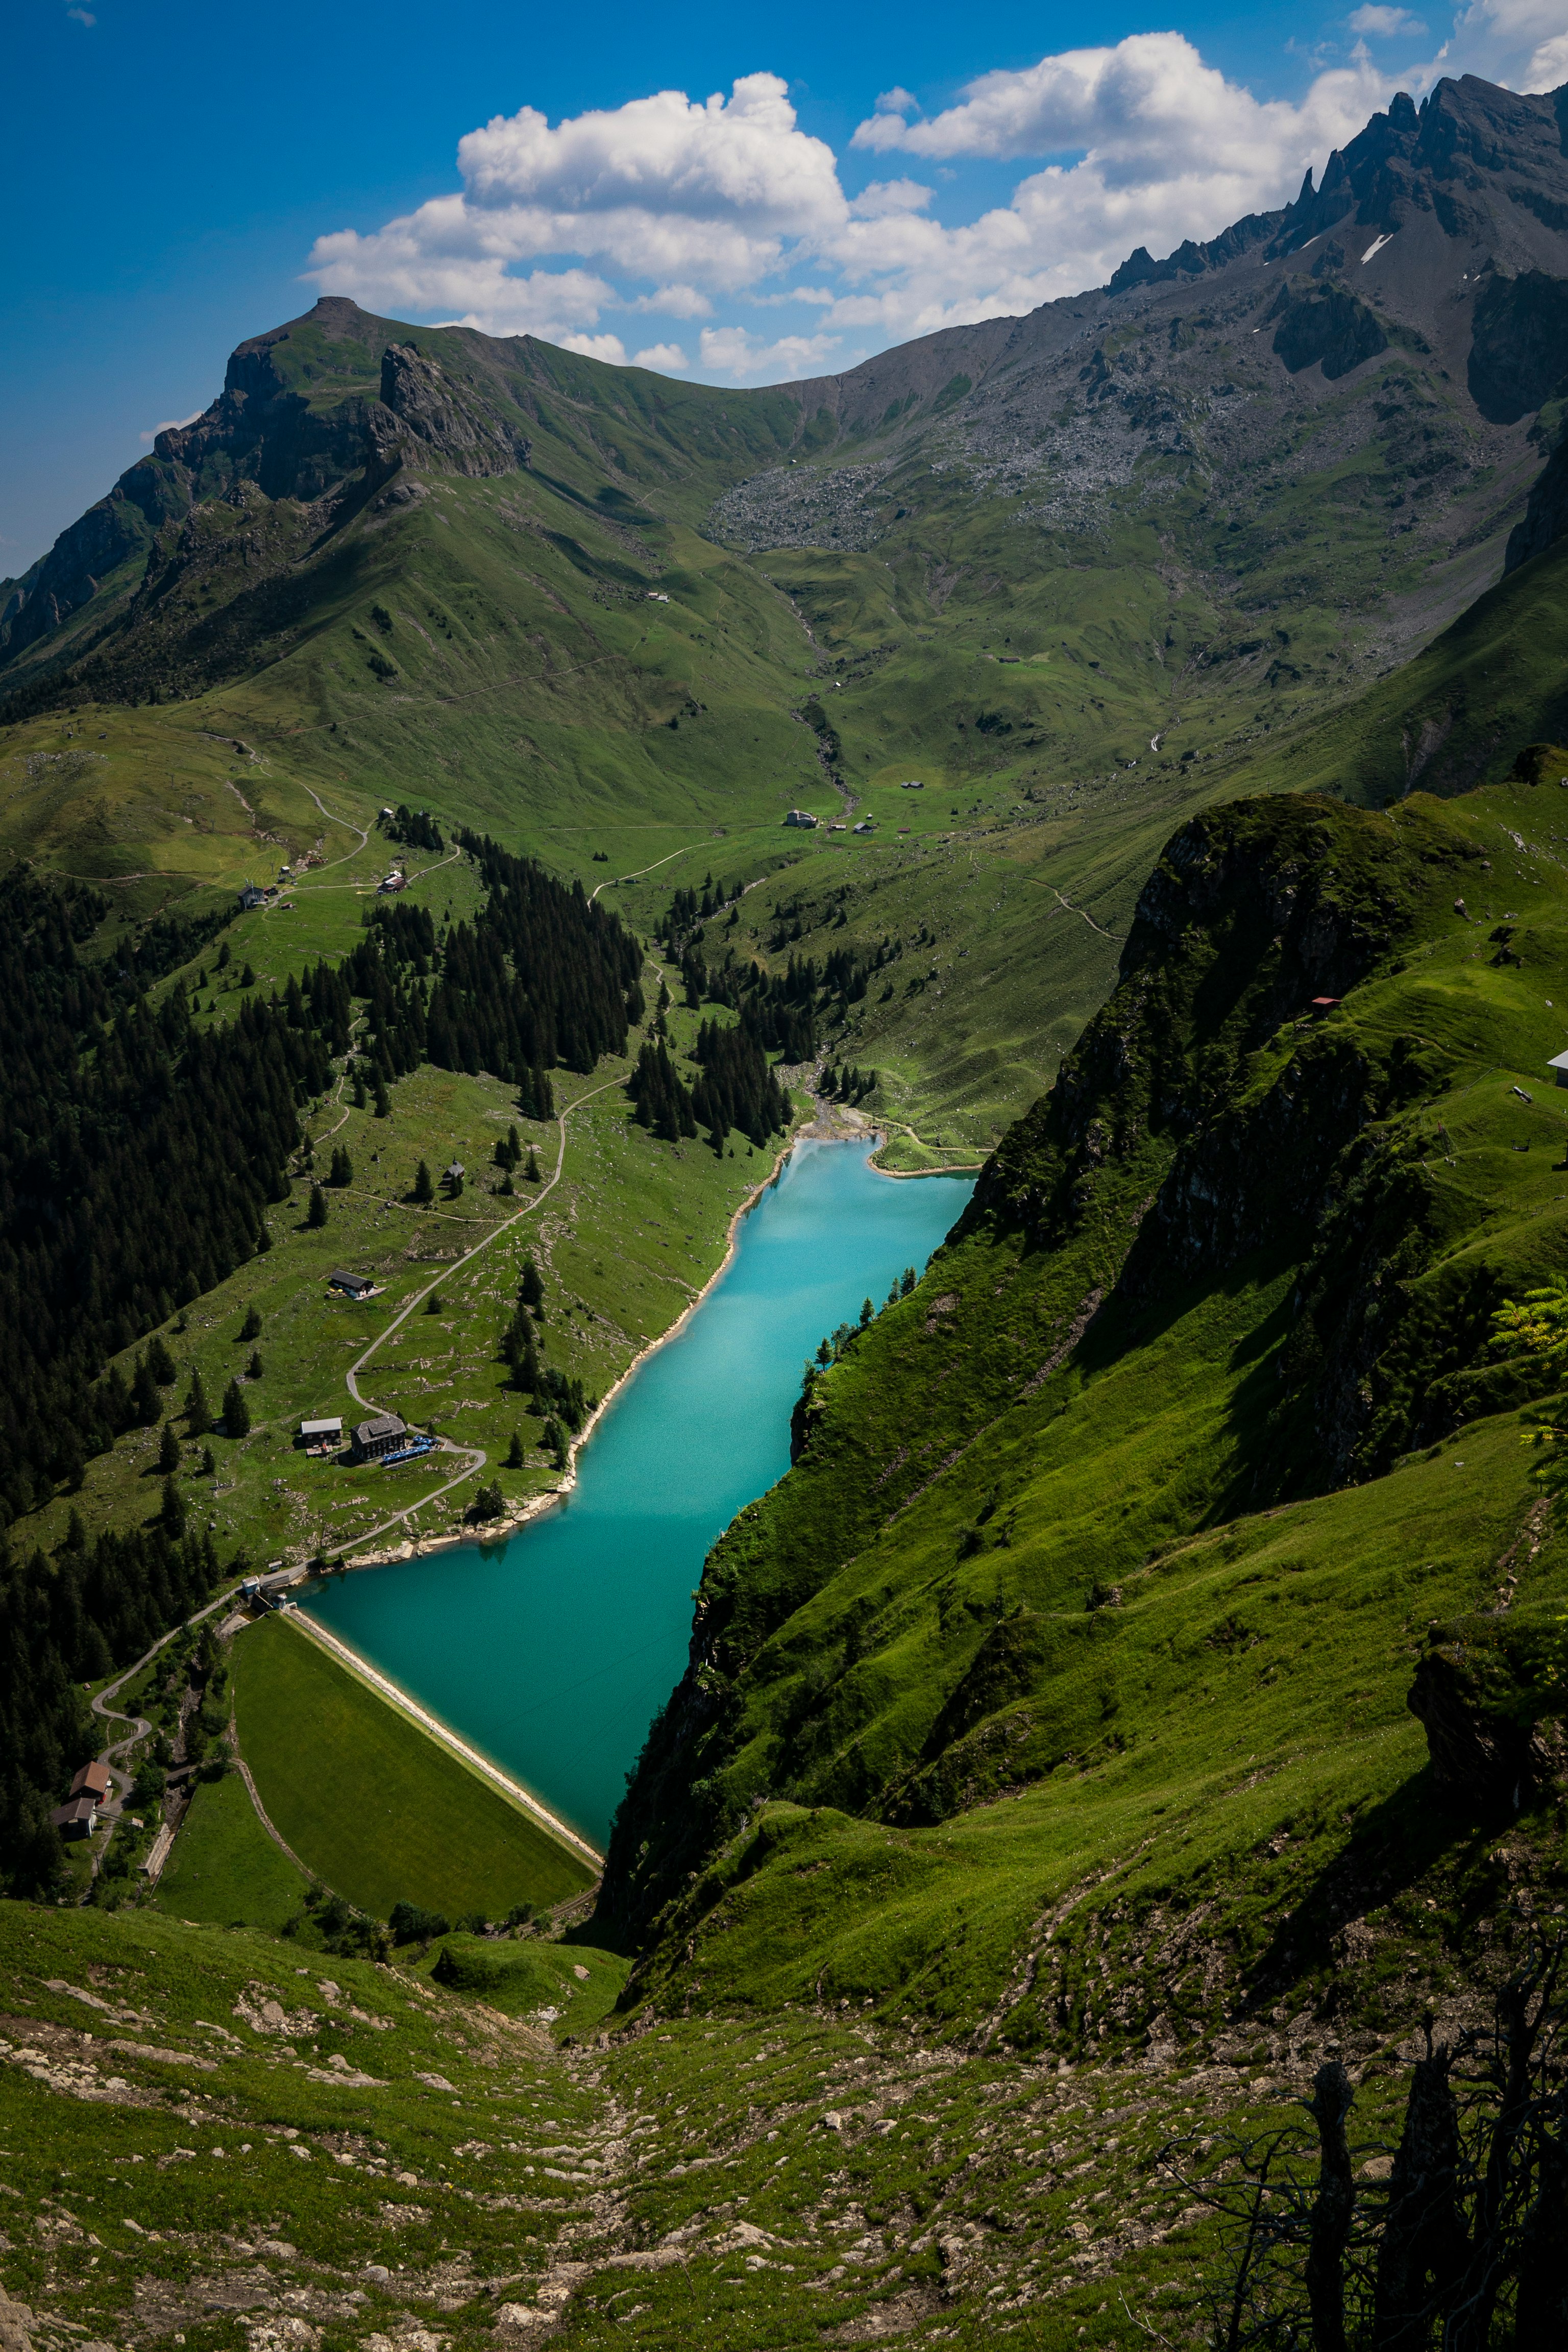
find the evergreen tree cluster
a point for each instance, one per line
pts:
(417, 827)
(848, 1085)
(662, 1101)
(736, 1089)
(138, 1156)
(689, 908)
(63, 1622)
(540, 978)
(782, 1009)
(574, 984)
(551, 1390)
(397, 953)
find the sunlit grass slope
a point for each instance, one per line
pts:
(384, 1816)
(1055, 1597)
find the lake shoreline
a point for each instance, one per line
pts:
(474, 1758)
(553, 1655)
(492, 1531)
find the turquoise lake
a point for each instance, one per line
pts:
(553, 1651)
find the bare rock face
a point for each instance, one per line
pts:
(470, 438)
(1489, 1749)
(15, 2326)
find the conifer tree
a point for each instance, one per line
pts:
(198, 1411)
(235, 1412)
(383, 1099)
(146, 1403)
(514, 1455)
(168, 1451)
(251, 1326)
(357, 1098)
(159, 1363)
(253, 1369)
(531, 1171)
(209, 1465)
(424, 1191)
(172, 1515)
(316, 1214)
(530, 1289)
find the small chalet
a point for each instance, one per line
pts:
(252, 896)
(93, 1781)
(384, 1433)
(323, 1432)
(1559, 1066)
(1321, 1004)
(352, 1286)
(802, 817)
(78, 1818)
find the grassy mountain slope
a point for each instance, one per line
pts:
(1090, 567)
(245, 2141)
(1053, 1625)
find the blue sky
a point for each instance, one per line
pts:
(803, 194)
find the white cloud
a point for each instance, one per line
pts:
(660, 188)
(170, 425)
(732, 351)
(724, 210)
(83, 16)
(1145, 111)
(880, 197)
(608, 348)
(1522, 43)
(668, 358)
(675, 302)
(1383, 24)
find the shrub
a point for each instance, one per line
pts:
(411, 1924)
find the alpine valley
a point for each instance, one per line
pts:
(465, 809)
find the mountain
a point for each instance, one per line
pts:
(1079, 573)
(1065, 1694)
(1125, 1755)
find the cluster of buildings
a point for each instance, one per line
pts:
(382, 1437)
(77, 1817)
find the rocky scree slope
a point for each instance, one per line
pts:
(1387, 343)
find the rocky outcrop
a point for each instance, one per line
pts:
(439, 422)
(1519, 356)
(116, 529)
(265, 430)
(1329, 327)
(1492, 1744)
(1545, 514)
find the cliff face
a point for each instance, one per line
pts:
(1235, 1214)
(321, 412)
